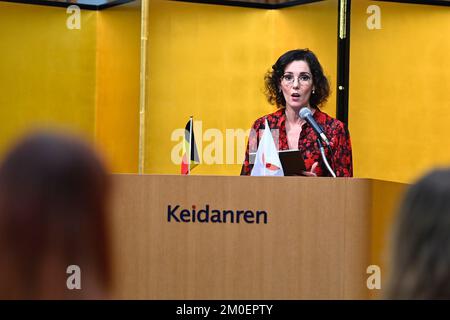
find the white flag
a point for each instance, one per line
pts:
(267, 161)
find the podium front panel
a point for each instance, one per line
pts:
(220, 237)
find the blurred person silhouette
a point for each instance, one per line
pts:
(53, 203)
(420, 252)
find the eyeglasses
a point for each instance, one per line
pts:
(289, 79)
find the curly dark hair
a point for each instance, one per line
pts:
(273, 78)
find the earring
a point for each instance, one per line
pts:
(313, 91)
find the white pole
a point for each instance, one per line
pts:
(190, 144)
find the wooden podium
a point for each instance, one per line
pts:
(315, 243)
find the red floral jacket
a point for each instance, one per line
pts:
(335, 130)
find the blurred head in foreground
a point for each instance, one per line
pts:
(420, 261)
(53, 192)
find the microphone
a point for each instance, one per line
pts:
(306, 114)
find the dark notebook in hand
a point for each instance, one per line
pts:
(291, 161)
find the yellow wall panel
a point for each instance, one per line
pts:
(203, 60)
(118, 65)
(47, 73)
(399, 90)
(209, 61)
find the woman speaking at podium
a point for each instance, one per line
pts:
(297, 81)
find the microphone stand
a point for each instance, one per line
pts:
(331, 155)
(324, 158)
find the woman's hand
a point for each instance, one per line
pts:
(311, 172)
